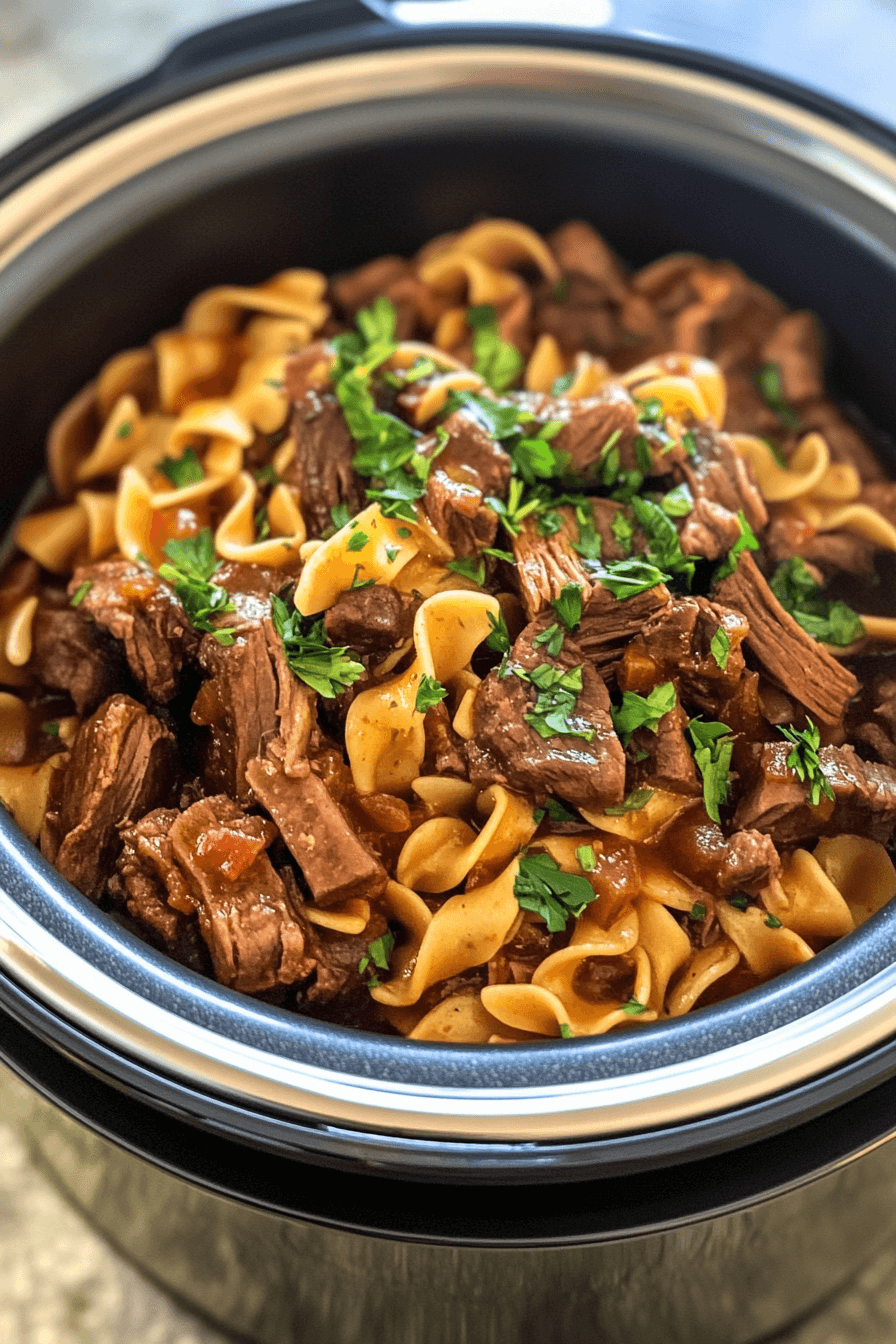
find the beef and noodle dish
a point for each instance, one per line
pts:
(448, 648)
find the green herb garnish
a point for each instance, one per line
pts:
(805, 761)
(587, 858)
(634, 1007)
(80, 593)
(550, 639)
(713, 745)
(472, 568)
(499, 639)
(357, 541)
(51, 728)
(429, 692)
(325, 668)
(558, 691)
(192, 564)
(496, 361)
(627, 578)
(772, 922)
(568, 604)
(268, 476)
(637, 799)
(746, 542)
(541, 886)
(640, 711)
(566, 1031)
(516, 509)
(768, 380)
(378, 954)
(801, 595)
(181, 471)
(678, 503)
(720, 647)
(698, 911)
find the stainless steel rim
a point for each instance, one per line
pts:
(83, 991)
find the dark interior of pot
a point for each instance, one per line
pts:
(332, 196)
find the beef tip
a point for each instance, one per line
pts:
(721, 484)
(608, 625)
(663, 760)
(787, 654)
(122, 764)
(470, 467)
(396, 279)
(253, 935)
(590, 423)
(70, 653)
(873, 721)
(145, 616)
(677, 642)
(830, 552)
(372, 622)
(507, 750)
(445, 753)
(338, 981)
(238, 704)
(795, 346)
(150, 878)
(296, 704)
(250, 588)
(545, 564)
(334, 861)
(321, 468)
(745, 861)
(776, 803)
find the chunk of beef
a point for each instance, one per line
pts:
(545, 564)
(590, 424)
(663, 760)
(250, 588)
(372, 622)
(831, 552)
(144, 615)
(788, 655)
(396, 279)
(776, 803)
(873, 721)
(152, 885)
(122, 764)
(470, 467)
(295, 709)
(677, 643)
(795, 346)
(338, 983)
(445, 753)
(745, 861)
(253, 935)
(238, 704)
(507, 750)
(722, 485)
(608, 625)
(69, 653)
(322, 466)
(334, 861)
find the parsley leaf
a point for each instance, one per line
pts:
(323, 667)
(378, 954)
(51, 728)
(798, 593)
(566, 1031)
(740, 902)
(499, 639)
(713, 745)
(587, 858)
(429, 692)
(663, 547)
(267, 475)
(181, 471)
(550, 639)
(558, 691)
(720, 647)
(771, 388)
(341, 516)
(773, 922)
(805, 761)
(698, 911)
(495, 360)
(639, 711)
(357, 541)
(634, 1007)
(627, 578)
(80, 593)
(516, 509)
(473, 568)
(637, 799)
(500, 418)
(568, 604)
(541, 886)
(678, 503)
(745, 542)
(192, 564)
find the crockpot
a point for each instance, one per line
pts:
(706, 1179)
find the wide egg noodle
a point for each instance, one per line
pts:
(805, 900)
(235, 537)
(441, 852)
(293, 294)
(384, 731)
(340, 562)
(768, 950)
(707, 965)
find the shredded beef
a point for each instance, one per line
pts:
(776, 802)
(445, 753)
(338, 982)
(590, 424)
(142, 612)
(874, 720)
(322, 466)
(677, 643)
(253, 936)
(469, 467)
(608, 625)
(372, 622)
(506, 750)
(121, 765)
(334, 861)
(663, 760)
(722, 486)
(70, 653)
(150, 878)
(788, 655)
(238, 705)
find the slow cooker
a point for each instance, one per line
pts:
(706, 1179)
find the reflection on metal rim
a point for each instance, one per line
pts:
(132, 1017)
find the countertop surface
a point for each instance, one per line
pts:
(59, 1282)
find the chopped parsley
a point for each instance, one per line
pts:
(650, 410)
(500, 418)
(637, 799)
(554, 811)
(323, 667)
(678, 502)
(377, 955)
(566, 1031)
(192, 563)
(623, 530)
(587, 858)
(80, 593)
(541, 886)
(473, 568)
(268, 476)
(550, 639)
(558, 691)
(634, 1007)
(499, 638)
(663, 546)
(498, 362)
(698, 911)
(806, 762)
(740, 902)
(262, 525)
(181, 471)
(357, 541)
(51, 728)
(517, 508)
(773, 922)
(801, 595)
(640, 711)
(124, 430)
(771, 388)
(341, 516)
(689, 443)
(357, 583)
(720, 647)
(746, 542)
(568, 604)
(627, 578)
(713, 745)
(429, 692)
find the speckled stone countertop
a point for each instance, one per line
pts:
(59, 1282)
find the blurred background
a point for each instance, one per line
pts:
(60, 1284)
